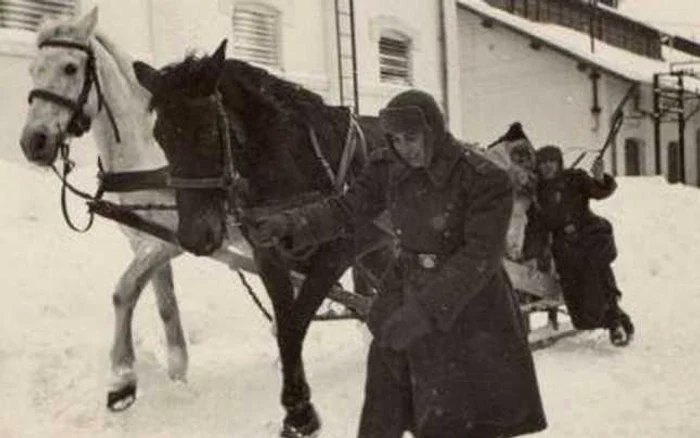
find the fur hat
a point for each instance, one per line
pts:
(415, 110)
(425, 103)
(549, 153)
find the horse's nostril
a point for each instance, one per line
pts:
(40, 142)
(209, 243)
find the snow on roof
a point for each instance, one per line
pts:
(675, 17)
(614, 60)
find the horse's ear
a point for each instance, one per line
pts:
(219, 55)
(215, 65)
(87, 24)
(148, 77)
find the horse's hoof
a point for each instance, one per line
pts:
(304, 424)
(177, 364)
(121, 399)
(289, 431)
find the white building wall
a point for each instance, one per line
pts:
(504, 80)
(14, 74)
(183, 26)
(308, 40)
(418, 19)
(452, 85)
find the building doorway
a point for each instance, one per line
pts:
(634, 157)
(674, 162)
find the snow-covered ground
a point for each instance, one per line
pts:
(56, 327)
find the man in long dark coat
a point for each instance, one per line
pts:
(583, 246)
(450, 356)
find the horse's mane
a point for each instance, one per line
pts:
(273, 92)
(282, 103)
(124, 63)
(276, 113)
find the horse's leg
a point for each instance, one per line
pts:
(295, 397)
(327, 265)
(149, 256)
(162, 282)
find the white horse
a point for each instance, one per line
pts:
(81, 79)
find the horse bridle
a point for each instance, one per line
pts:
(229, 175)
(79, 122)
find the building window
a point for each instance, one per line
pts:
(28, 14)
(674, 168)
(256, 34)
(395, 59)
(634, 157)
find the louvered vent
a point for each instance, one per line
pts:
(27, 14)
(256, 35)
(395, 61)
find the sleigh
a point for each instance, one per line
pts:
(539, 294)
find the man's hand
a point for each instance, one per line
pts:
(598, 169)
(269, 230)
(403, 327)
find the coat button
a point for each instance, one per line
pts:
(397, 231)
(447, 234)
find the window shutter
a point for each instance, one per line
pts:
(27, 14)
(394, 61)
(255, 35)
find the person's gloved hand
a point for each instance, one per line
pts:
(269, 230)
(404, 326)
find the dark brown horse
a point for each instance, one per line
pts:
(243, 142)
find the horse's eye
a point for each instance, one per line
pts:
(70, 69)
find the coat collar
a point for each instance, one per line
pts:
(440, 169)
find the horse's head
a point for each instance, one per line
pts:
(192, 129)
(60, 103)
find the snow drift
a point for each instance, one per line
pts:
(56, 327)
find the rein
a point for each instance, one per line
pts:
(68, 166)
(79, 122)
(109, 182)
